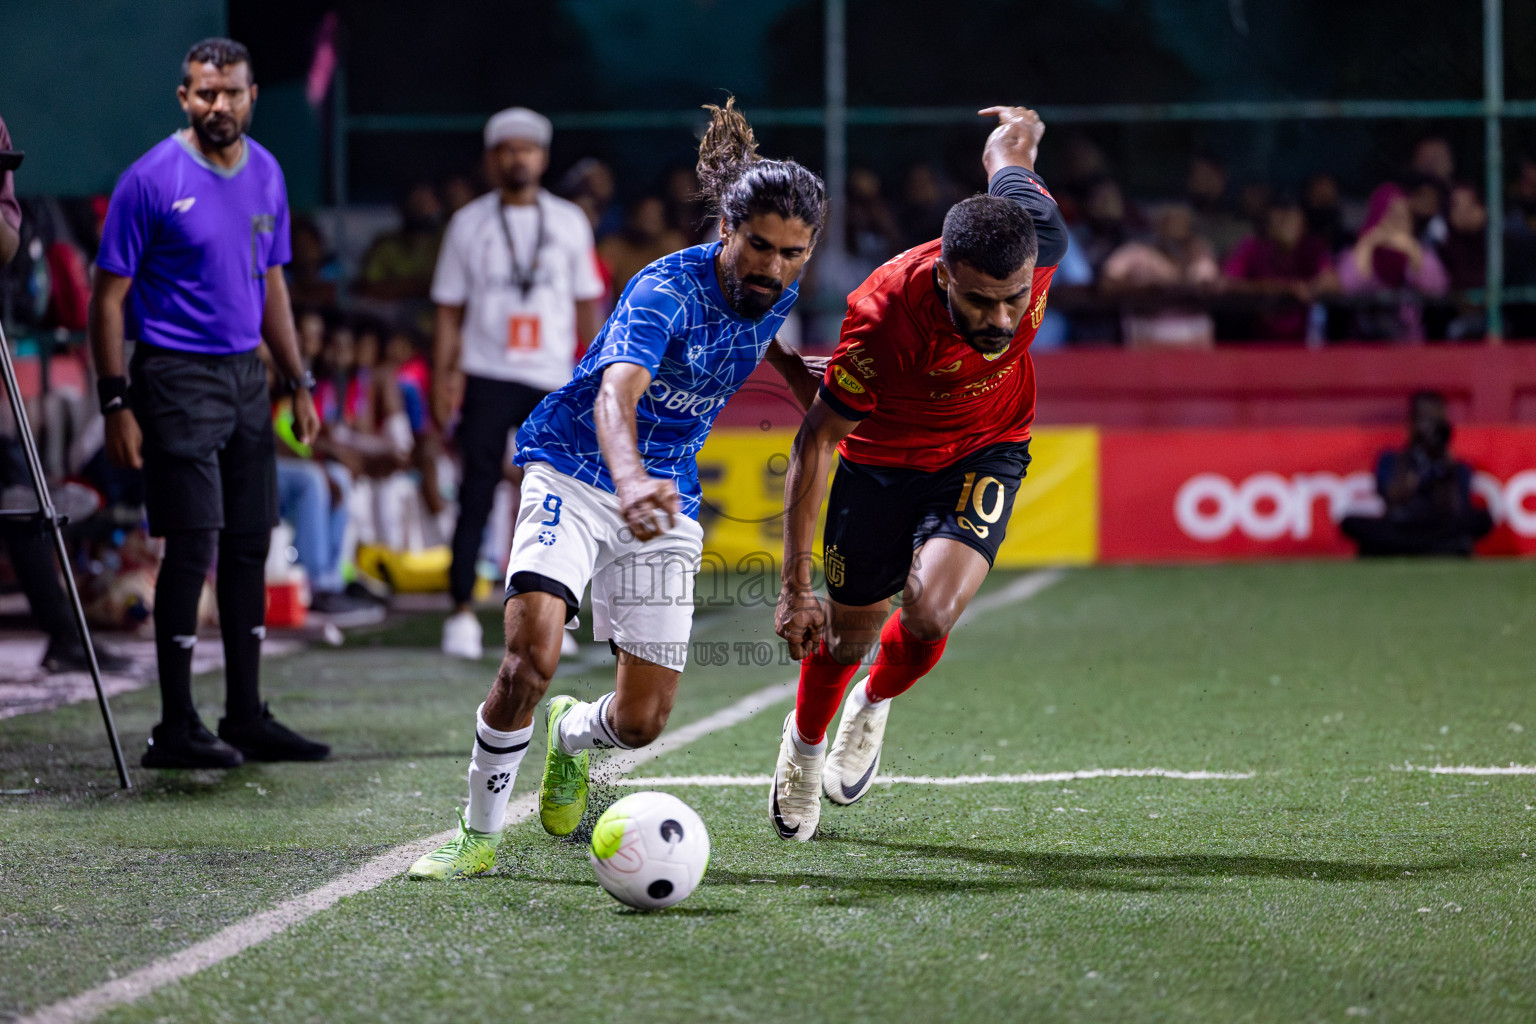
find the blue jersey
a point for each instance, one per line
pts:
(673, 320)
(197, 239)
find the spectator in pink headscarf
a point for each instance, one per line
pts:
(1387, 257)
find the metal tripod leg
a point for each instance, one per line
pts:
(47, 513)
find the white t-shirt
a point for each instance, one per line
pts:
(509, 333)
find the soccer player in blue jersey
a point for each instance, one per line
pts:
(611, 494)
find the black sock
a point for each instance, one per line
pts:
(242, 589)
(188, 554)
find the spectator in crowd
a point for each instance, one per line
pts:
(644, 238)
(314, 274)
(1427, 493)
(1083, 163)
(1103, 228)
(31, 555)
(458, 192)
(589, 184)
(925, 199)
(873, 234)
(1325, 215)
(176, 277)
(1286, 261)
(1465, 250)
(1205, 186)
(398, 265)
(1434, 160)
(1176, 259)
(516, 288)
(1427, 201)
(1387, 257)
(687, 213)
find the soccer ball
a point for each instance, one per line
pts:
(649, 850)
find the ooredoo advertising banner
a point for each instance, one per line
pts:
(1216, 494)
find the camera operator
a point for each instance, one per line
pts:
(1428, 494)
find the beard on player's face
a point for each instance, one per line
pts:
(985, 339)
(219, 129)
(749, 301)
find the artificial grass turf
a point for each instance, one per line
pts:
(1325, 886)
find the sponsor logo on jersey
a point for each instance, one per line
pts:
(846, 381)
(951, 368)
(679, 401)
(865, 365)
(977, 388)
(183, 205)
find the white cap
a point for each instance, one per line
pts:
(517, 123)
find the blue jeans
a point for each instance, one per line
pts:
(319, 529)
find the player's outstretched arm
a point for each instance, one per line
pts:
(801, 374)
(648, 503)
(1015, 142)
(799, 618)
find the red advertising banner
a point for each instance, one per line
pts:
(1217, 494)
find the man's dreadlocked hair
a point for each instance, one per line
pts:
(739, 184)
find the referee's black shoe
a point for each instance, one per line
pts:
(189, 746)
(264, 738)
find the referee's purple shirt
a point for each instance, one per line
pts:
(197, 240)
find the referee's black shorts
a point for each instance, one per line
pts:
(209, 453)
(877, 516)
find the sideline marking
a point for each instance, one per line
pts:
(1470, 769)
(252, 931)
(948, 780)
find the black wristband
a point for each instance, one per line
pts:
(112, 393)
(304, 383)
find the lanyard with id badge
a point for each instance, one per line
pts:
(523, 327)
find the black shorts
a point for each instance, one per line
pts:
(878, 515)
(209, 454)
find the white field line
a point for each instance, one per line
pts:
(1470, 769)
(252, 931)
(1025, 778)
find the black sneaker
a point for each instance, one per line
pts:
(345, 610)
(267, 739)
(188, 746)
(68, 655)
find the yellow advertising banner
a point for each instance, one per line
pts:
(1054, 522)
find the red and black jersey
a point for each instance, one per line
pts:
(924, 397)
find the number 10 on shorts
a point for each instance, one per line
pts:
(987, 505)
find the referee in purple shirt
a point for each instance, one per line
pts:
(190, 268)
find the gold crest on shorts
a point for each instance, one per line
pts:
(836, 567)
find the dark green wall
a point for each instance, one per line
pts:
(86, 86)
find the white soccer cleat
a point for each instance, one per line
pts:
(794, 795)
(461, 636)
(855, 754)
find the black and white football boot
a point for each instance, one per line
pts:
(855, 755)
(794, 795)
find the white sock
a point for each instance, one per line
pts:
(861, 695)
(803, 748)
(492, 770)
(586, 727)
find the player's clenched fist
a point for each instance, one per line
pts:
(800, 620)
(1016, 139)
(648, 504)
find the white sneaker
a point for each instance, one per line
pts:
(569, 648)
(461, 636)
(794, 795)
(855, 754)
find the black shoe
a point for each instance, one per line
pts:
(68, 655)
(364, 592)
(267, 739)
(346, 610)
(189, 746)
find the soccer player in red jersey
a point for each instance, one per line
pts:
(928, 401)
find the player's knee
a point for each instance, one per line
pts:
(846, 652)
(929, 624)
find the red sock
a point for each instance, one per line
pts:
(902, 661)
(822, 682)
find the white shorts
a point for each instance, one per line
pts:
(573, 534)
